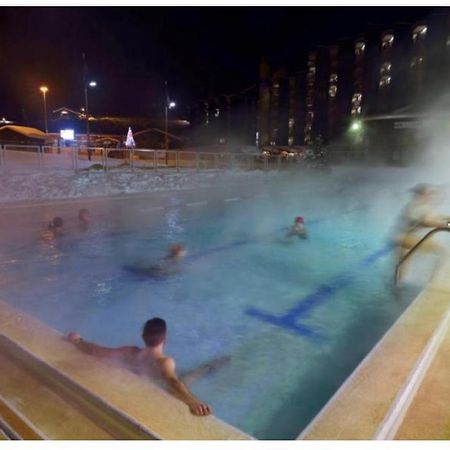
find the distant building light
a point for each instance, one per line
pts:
(360, 47)
(419, 32)
(64, 112)
(387, 40)
(217, 112)
(333, 78)
(332, 91)
(385, 68)
(385, 81)
(416, 61)
(67, 135)
(92, 83)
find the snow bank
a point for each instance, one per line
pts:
(52, 185)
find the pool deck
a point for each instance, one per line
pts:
(49, 389)
(401, 390)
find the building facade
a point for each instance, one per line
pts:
(404, 67)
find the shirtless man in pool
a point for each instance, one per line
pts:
(150, 360)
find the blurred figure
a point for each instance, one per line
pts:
(150, 360)
(169, 265)
(54, 229)
(298, 229)
(84, 218)
(416, 219)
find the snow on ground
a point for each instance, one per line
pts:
(56, 184)
(26, 176)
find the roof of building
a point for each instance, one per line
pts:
(31, 133)
(68, 110)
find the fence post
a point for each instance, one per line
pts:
(155, 157)
(77, 150)
(105, 158)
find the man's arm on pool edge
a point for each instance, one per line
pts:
(98, 350)
(180, 389)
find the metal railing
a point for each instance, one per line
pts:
(415, 247)
(25, 158)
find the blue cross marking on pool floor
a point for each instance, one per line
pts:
(290, 320)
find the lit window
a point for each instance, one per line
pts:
(312, 69)
(419, 32)
(356, 103)
(333, 78)
(386, 68)
(385, 81)
(217, 112)
(387, 40)
(416, 61)
(360, 47)
(332, 91)
(291, 122)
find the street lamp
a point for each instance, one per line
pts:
(168, 104)
(44, 90)
(91, 84)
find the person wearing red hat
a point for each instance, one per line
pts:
(298, 228)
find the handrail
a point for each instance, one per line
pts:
(414, 248)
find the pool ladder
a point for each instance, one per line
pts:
(413, 249)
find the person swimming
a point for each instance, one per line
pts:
(168, 266)
(84, 218)
(54, 229)
(298, 228)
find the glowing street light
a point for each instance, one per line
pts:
(44, 90)
(356, 126)
(92, 83)
(168, 104)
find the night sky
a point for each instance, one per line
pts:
(201, 51)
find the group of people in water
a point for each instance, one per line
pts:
(55, 227)
(416, 218)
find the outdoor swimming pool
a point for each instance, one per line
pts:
(294, 316)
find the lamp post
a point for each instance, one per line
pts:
(44, 90)
(168, 104)
(86, 112)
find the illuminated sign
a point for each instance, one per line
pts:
(67, 135)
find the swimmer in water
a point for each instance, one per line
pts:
(84, 218)
(54, 229)
(298, 229)
(418, 218)
(149, 360)
(169, 265)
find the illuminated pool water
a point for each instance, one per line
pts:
(295, 316)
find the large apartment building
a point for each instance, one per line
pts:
(375, 74)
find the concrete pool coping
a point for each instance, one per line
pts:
(138, 399)
(377, 398)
